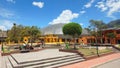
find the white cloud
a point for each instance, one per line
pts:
(81, 24)
(6, 24)
(89, 4)
(82, 12)
(11, 1)
(6, 13)
(101, 6)
(65, 17)
(111, 6)
(39, 4)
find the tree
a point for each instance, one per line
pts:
(72, 29)
(89, 32)
(34, 33)
(17, 33)
(97, 27)
(111, 36)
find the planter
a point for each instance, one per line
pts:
(72, 51)
(4, 54)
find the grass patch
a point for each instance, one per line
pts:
(93, 51)
(119, 46)
(6, 50)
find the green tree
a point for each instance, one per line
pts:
(111, 36)
(96, 28)
(17, 33)
(90, 32)
(25, 31)
(72, 29)
(34, 33)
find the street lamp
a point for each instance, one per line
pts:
(2, 41)
(97, 44)
(30, 32)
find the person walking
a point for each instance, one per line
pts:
(43, 43)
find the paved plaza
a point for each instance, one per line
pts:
(50, 58)
(47, 58)
(44, 54)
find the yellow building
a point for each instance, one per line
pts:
(51, 38)
(59, 38)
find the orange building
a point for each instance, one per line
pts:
(115, 31)
(84, 38)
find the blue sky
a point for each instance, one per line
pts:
(42, 13)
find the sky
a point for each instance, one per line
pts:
(42, 13)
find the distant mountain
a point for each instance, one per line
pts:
(57, 29)
(115, 23)
(53, 29)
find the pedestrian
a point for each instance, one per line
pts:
(43, 44)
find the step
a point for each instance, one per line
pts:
(3, 64)
(8, 64)
(56, 63)
(43, 61)
(12, 61)
(63, 64)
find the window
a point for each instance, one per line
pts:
(118, 31)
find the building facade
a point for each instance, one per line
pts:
(114, 40)
(86, 38)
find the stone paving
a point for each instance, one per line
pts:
(94, 62)
(43, 59)
(48, 58)
(32, 56)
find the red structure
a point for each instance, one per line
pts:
(115, 31)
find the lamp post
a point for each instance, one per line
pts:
(2, 41)
(14, 34)
(97, 44)
(30, 32)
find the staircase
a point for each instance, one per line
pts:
(54, 62)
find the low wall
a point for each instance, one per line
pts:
(116, 47)
(100, 55)
(14, 52)
(72, 51)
